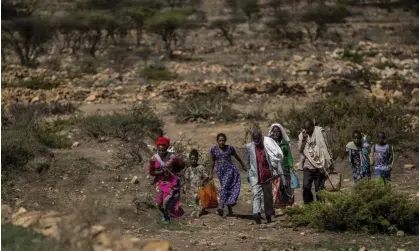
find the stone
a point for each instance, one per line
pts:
(400, 233)
(297, 58)
(417, 195)
(35, 99)
(363, 249)
(75, 144)
(415, 92)
(134, 180)
(91, 97)
(400, 249)
(409, 166)
(6, 213)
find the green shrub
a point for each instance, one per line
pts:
(212, 106)
(322, 15)
(372, 206)
(89, 65)
(133, 124)
(342, 115)
(25, 135)
(167, 24)
(37, 84)
(47, 134)
(352, 55)
(17, 148)
(227, 26)
(14, 238)
(157, 72)
(28, 37)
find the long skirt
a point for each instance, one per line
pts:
(168, 198)
(229, 184)
(283, 197)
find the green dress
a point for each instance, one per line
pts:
(284, 197)
(287, 162)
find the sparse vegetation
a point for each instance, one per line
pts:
(131, 125)
(343, 115)
(322, 15)
(213, 106)
(167, 24)
(27, 37)
(35, 83)
(227, 26)
(27, 135)
(372, 206)
(15, 238)
(352, 55)
(157, 72)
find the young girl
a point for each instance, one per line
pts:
(196, 178)
(382, 157)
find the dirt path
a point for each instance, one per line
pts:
(86, 173)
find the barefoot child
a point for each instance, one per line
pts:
(196, 178)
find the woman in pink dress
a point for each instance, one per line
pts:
(164, 167)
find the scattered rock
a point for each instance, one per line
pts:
(409, 166)
(134, 180)
(6, 214)
(400, 233)
(297, 58)
(400, 249)
(91, 97)
(75, 144)
(363, 249)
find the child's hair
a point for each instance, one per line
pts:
(356, 132)
(221, 135)
(381, 133)
(194, 152)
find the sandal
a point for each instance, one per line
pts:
(220, 212)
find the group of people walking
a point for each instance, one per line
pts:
(270, 168)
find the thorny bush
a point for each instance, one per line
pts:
(342, 115)
(373, 206)
(26, 134)
(130, 125)
(213, 106)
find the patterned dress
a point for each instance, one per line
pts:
(382, 157)
(359, 160)
(167, 185)
(194, 176)
(228, 174)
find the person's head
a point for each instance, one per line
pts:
(221, 140)
(162, 144)
(357, 138)
(257, 136)
(194, 157)
(276, 133)
(381, 138)
(309, 126)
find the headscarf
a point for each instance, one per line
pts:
(163, 141)
(283, 132)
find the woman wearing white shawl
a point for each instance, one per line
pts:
(283, 195)
(316, 159)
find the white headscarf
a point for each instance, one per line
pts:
(283, 132)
